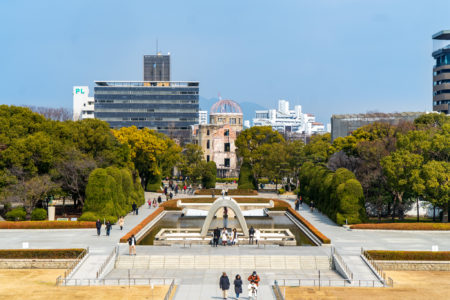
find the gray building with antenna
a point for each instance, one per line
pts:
(157, 67)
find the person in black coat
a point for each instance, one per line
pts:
(134, 207)
(216, 237)
(132, 244)
(98, 225)
(159, 199)
(238, 285)
(251, 235)
(224, 284)
(108, 227)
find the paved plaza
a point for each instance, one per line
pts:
(203, 284)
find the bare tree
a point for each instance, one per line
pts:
(56, 114)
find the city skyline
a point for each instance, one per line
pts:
(330, 57)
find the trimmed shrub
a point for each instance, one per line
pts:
(89, 216)
(246, 179)
(350, 196)
(45, 225)
(154, 184)
(209, 176)
(403, 226)
(17, 214)
(40, 253)
(38, 214)
(409, 255)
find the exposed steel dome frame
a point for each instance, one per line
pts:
(226, 107)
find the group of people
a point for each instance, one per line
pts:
(253, 279)
(108, 226)
(155, 203)
(225, 237)
(298, 203)
(254, 235)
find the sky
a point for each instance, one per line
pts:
(330, 56)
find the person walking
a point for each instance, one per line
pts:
(252, 290)
(121, 221)
(216, 235)
(108, 227)
(224, 284)
(134, 207)
(98, 225)
(297, 204)
(254, 277)
(251, 235)
(165, 190)
(224, 237)
(159, 199)
(154, 203)
(170, 195)
(311, 204)
(132, 245)
(257, 236)
(238, 285)
(149, 202)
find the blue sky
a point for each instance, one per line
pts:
(330, 56)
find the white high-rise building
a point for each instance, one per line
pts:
(286, 120)
(83, 105)
(202, 117)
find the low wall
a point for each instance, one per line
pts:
(411, 265)
(36, 263)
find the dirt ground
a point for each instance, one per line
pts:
(40, 284)
(407, 285)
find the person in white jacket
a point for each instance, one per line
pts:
(257, 236)
(252, 290)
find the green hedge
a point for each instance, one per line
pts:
(40, 253)
(17, 214)
(409, 255)
(38, 214)
(246, 179)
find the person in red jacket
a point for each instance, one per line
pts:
(254, 277)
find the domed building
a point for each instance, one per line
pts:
(217, 138)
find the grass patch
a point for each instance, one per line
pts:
(409, 255)
(403, 226)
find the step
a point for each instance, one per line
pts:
(307, 263)
(172, 262)
(262, 262)
(277, 262)
(156, 262)
(247, 261)
(292, 262)
(187, 262)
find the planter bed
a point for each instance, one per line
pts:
(403, 226)
(45, 224)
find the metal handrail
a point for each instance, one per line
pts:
(327, 282)
(342, 263)
(386, 281)
(106, 262)
(169, 292)
(117, 281)
(72, 266)
(277, 291)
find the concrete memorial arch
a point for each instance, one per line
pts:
(224, 202)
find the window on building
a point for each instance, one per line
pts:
(227, 162)
(226, 132)
(207, 132)
(227, 147)
(207, 158)
(207, 144)
(232, 120)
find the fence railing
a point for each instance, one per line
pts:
(117, 281)
(344, 266)
(169, 292)
(72, 266)
(277, 291)
(386, 281)
(328, 282)
(106, 262)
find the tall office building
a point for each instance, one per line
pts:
(157, 67)
(168, 107)
(441, 71)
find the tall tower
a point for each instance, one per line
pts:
(441, 71)
(157, 67)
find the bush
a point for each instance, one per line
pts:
(403, 226)
(45, 225)
(154, 184)
(89, 216)
(246, 179)
(39, 214)
(17, 214)
(40, 253)
(350, 196)
(281, 191)
(209, 176)
(409, 255)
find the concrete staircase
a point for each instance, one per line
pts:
(274, 262)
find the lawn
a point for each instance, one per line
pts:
(407, 285)
(33, 284)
